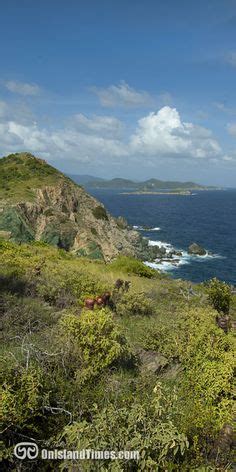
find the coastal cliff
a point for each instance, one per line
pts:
(40, 203)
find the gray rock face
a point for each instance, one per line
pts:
(196, 250)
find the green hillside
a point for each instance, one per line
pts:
(148, 371)
(21, 173)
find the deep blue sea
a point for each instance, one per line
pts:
(207, 218)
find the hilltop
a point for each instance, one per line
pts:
(40, 203)
(151, 185)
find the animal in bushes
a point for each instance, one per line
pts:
(99, 301)
(106, 297)
(89, 303)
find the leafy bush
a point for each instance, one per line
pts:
(94, 339)
(100, 213)
(21, 397)
(163, 340)
(130, 265)
(132, 303)
(142, 427)
(206, 355)
(219, 294)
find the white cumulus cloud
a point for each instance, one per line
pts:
(103, 140)
(60, 143)
(164, 134)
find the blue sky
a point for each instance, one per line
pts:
(122, 88)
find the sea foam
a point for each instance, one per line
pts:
(166, 264)
(143, 228)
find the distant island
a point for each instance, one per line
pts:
(149, 192)
(148, 186)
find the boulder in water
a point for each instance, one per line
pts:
(196, 250)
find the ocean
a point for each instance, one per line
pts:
(206, 217)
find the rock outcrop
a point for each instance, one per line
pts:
(196, 249)
(57, 211)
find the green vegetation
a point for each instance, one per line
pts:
(134, 304)
(79, 379)
(100, 213)
(130, 265)
(21, 173)
(219, 294)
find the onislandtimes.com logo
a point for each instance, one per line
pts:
(30, 450)
(25, 450)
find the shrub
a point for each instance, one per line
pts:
(100, 213)
(133, 266)
(94, 340)
(219, 294)
(21, 396)
(143, 427)
(161, 339)
(133, 303)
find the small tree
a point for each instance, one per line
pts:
(219, 294)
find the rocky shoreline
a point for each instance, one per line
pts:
(167, 258)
